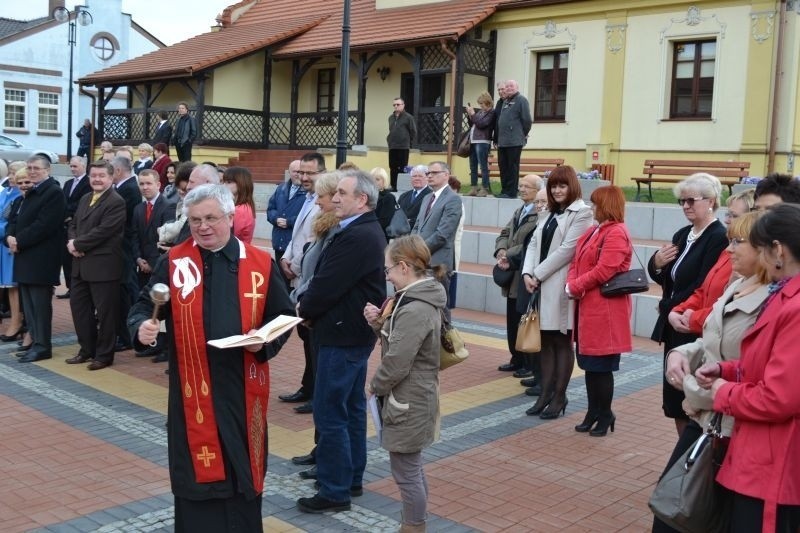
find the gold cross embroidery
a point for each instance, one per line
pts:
(257, 279)
(206, 457)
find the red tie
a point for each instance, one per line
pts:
(148, 211)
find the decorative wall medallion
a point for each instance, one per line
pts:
(693, 18)
(615, 37)
(762, 23)
(550, 31)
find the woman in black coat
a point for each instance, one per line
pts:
(387, 203)
(682, 266)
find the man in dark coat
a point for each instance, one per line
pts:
(95, 242)
(283, 207)
(126, 186)
(349, 274)
(74, 189)
(163, 132)
(35, 237)
(402, 136)
(85, 138)
(185, 133)
(148, 216)
(513, 125)
(410, 201)
(217, 443)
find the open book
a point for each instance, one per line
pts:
(268, 333)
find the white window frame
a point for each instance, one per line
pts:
(48, 106)
(23, 104)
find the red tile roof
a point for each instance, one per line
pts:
(203, 51)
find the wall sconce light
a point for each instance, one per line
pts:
(383, 72)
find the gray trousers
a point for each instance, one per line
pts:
(410, 478)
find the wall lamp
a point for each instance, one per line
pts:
(383, 72)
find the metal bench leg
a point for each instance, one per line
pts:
(650, 191)
(638, 191)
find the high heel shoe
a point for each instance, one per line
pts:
(15, 336)
(588, 422)
(603, 424)
(540, 405)
(554, 410)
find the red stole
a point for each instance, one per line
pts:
(186, 291)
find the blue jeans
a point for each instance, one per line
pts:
(479, 155)
(340, 415)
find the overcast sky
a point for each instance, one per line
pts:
(169, 20)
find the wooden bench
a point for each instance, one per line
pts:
(527, 165)
(729, 173)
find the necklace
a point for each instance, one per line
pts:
(694, 236)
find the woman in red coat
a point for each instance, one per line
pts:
(602, 327)
(762, 466)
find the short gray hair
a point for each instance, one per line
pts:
(706, 184)
(208, 172)
(201, 193)
(364, 185)
(122, 163)
(420, 168)
(43, 159)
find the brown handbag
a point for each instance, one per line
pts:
(464, 145)
(529, 336)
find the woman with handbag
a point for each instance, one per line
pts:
(680, 267)
(407, 380)
(387, 204)
(547, 260)
(760, 389)
(731, 316)
(481, 130)
(602, 327)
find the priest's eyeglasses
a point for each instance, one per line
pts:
(207, 220)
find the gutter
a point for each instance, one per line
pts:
(773, 134)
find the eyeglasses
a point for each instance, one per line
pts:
(736, 242)
(307, 173)
(428, 173)
(690, 201)
(387, 269)
(397, 105)
(208, 221)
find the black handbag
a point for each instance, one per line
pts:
(502, 278)
(687, 498)
(630, 282)
(399, 225)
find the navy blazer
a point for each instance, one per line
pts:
(280, 206)
(145, 234)
(348, 275)
(410, 206)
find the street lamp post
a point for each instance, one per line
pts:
(84, 18)
(344, 72)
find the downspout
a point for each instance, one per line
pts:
(773, 134)
(450, 136)
(93, 98)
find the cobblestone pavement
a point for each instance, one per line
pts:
(86, 451)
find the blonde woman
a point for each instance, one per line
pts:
(387, 204)
(145, 158)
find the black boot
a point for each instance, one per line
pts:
(591, 415)
(605, 421)
(605, 393)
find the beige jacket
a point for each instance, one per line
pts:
(408, 376)
(555, 309)
(722, 335)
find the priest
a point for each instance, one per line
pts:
(219, 286)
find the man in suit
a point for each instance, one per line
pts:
(410, 201)
(148, 216)
(402, 136)
(126, 186)
(185, 133)
(34, 236)
(74, 189)
(311, 165)
(513, 125)
(348, 276)
(95, 242)
(163, 133)
(438, 221)
(283, 207)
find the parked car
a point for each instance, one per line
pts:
(12, 150)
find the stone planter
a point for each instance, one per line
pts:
(588, 187)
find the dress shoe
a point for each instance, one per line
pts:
(554, 410)
(536, 390)
(160, 358)
(150, 351)
(23, 348)
(317, 505)
(32, 357)
(522, 373)
(304, 409)
(529, 382)
(97, 365)
(588, 421)
(355, 490)
(120, 347)
(311, 473)
(508, 367)
(78, 359)
(305, 460)
(297, 397)
(64, 296)
(603, 424)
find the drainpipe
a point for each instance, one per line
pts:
(93, 98)
(450, 136)
(773, 134)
